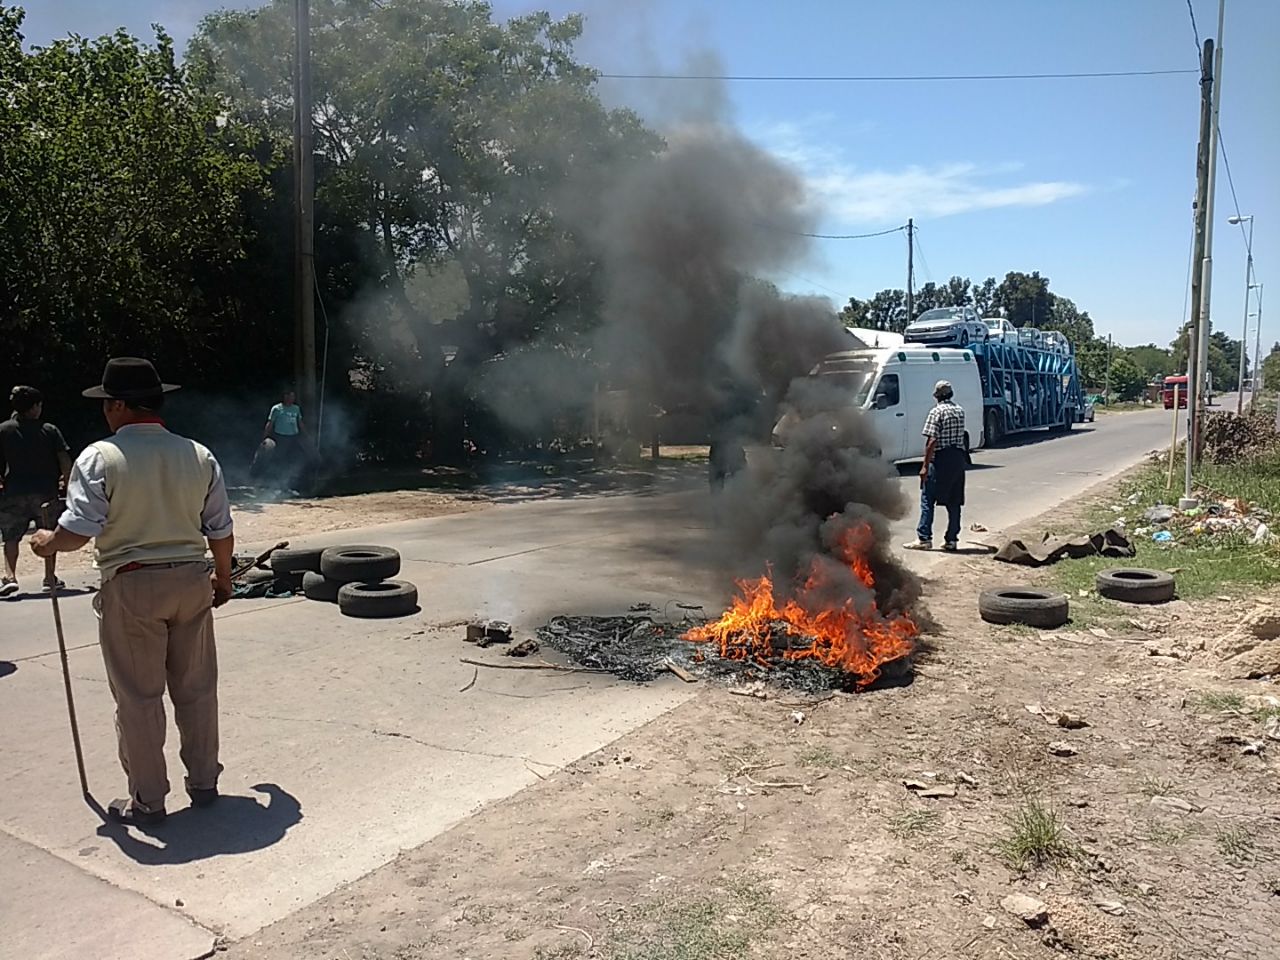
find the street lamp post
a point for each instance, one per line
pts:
(1248, 285)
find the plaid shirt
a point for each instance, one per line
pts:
(945, 423)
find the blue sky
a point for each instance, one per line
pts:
(1088, 181)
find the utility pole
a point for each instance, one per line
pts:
(1197, 255)
(304, 356)
(1106, 387)
(1257, 354)
(1206, 280)
(911, 293)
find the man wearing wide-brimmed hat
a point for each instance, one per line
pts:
(151, 501)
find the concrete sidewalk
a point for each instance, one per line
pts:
(345, 741)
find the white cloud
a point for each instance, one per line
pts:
(847, 193)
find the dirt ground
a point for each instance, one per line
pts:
(739, 827)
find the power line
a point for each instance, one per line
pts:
(845, 236)
(1194, 29)
(1231, 183)
(924, 261)
(894, 78)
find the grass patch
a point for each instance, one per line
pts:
(913, 823)
(1207, 565)
(717, 927)
(1036, 838)
(820, 756)
(1156, 787)
(1220, 702)
(1236, 845)
(1169, 835)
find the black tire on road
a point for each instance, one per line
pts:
(360, 564)
(316, 586)
(286, 583)
(390, 598)
(1025, 605)
(1135, 585)
(297, 561)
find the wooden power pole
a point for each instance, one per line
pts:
(304, 340)
(911, 294)
(1197, 257)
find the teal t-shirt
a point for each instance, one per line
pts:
(285, 420)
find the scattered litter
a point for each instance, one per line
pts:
(483, 633)
(930, 791)
(1109, 543)
(1113, 907)
(1032, 912)
(1060, 748)
(1146, 889)
(1247, 746)
(523, 649)
(1160, 513)
(989, 922)
(1162, 536)
(797, 717)
(1100, 633)
(977, 528)
(1082, 592)
(1071, 721)
(962, 777)
(1175, 805)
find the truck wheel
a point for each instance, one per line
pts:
(1135, 585)
(1026, 605)
(389, 598)
(994, 433)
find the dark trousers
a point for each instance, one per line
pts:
(944, 486)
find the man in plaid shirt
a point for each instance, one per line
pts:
(942, 474)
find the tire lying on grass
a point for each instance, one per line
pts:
(316, 586)
(297, 561)
(390, 598)
(1025, 605)
(1135, 585)
(359, 564)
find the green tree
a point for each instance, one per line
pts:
(887, 310)
(1127, 379)
(986, 297)
(855, 313)
(1226, 374)
(1091, 361)
(1154, 361)
(1025, 299)
(1065, 317)
(928, 297)
(957, 292)
(123, 196)
(1271, 369)
(446, 138)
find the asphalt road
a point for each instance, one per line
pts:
(1030, 474)
(347, 741)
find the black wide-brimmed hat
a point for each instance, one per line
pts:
(128, 378)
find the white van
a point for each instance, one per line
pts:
(894, 387)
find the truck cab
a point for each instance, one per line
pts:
(894, 389)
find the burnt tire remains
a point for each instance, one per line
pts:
(296, 561)
(316, 586)
(359, 564)
(1135, 585)
(390, 598)
(1024, 605)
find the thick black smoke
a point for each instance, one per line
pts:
(689, 324)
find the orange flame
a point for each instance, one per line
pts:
(855, 640)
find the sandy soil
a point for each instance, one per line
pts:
(731, 827)
(267, 523)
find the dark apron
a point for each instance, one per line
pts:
(948, 476)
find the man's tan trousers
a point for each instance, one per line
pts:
(156, 629)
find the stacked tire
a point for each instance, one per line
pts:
(359, 579)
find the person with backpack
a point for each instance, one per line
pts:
(34, 466)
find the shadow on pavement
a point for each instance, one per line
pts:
(232, 825)
(6, 668)
(64, 592)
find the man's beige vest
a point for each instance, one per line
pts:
(156, 486)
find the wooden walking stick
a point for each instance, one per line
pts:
(50, 577)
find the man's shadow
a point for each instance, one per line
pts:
(232, 825)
